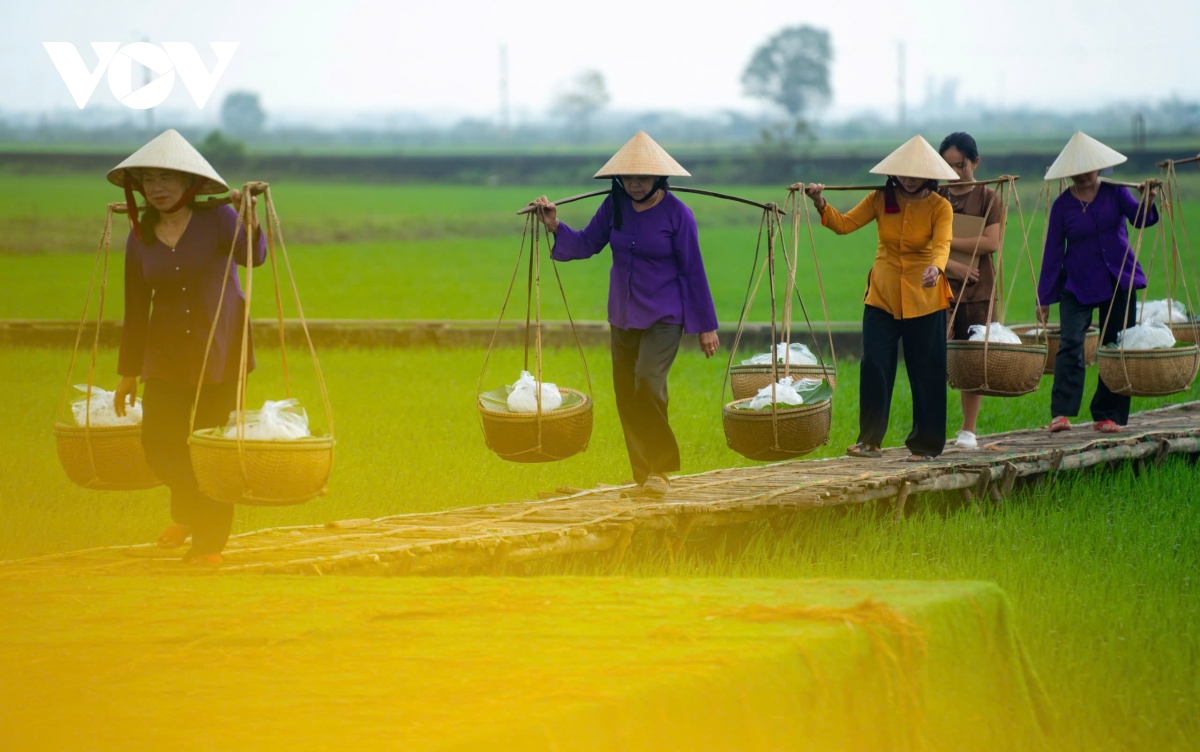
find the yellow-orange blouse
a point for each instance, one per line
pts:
(916, 237)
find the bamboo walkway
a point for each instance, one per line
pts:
(488, 539)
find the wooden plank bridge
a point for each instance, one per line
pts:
(488, 539)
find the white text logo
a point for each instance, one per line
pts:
(163, 60)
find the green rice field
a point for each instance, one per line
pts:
(1102, 567)
(447, 252)
(408, 437)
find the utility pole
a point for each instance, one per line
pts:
(1139, 132)
(504, 91)
(902, 115)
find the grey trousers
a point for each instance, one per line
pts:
(641, 361)
(1069, 372)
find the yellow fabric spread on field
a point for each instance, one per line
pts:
(282, 663)
(916, 237)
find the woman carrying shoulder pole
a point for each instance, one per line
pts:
(658, 292)
(176, 261)
(1088, 267)
(907, 295)
(971, 284)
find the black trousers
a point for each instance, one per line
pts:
(925, 360)
(1075, 318)
(166, 410)
(641, 361)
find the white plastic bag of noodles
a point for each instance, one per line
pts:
(1156, 336)
(523, 398)
(278, 420)
(997, 334)
(796, 354)
(788, 391)
(102, 411)
(1162, 312)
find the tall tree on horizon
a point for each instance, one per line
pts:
(791, 71)
(242, 114)
(586, 95)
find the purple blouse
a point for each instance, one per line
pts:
(657, 271)
(1087, 250)
(171, 300)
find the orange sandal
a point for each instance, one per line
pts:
(1061, 423)
(174, 536)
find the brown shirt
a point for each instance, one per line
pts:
(976, 204)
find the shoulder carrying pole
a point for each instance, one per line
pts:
(994, 181)
(579, 197)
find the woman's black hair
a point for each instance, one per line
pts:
(963, 142)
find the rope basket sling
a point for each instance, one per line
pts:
(989, 368)
(745, 380)
(1159, 372)
(268, 473)
(1052, 335)
(543, 435)
(102, 458)
(1184, 331)
(782, 432)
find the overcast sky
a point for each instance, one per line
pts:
(442, 57)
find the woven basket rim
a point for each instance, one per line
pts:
(206, 438)
(1191, 350)
(68, 429)
(1055, 332)
(584, 406)
(798, 411)
(766, 368)
(1031, 349)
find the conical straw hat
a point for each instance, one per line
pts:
(641, 156)
(916, 159)
(171, 151)
(1083, 154)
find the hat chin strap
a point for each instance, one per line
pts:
(133, 184)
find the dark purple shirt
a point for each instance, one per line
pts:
(171, 299)
(657, 272)
(1087, 250)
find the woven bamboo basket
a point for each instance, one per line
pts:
(1091, 342)
(108, 458)
(564, 433)
(1185, 332)
(801, 430)
(745, 381)
(1149, 373)
(1012, 370)
(261, 473)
